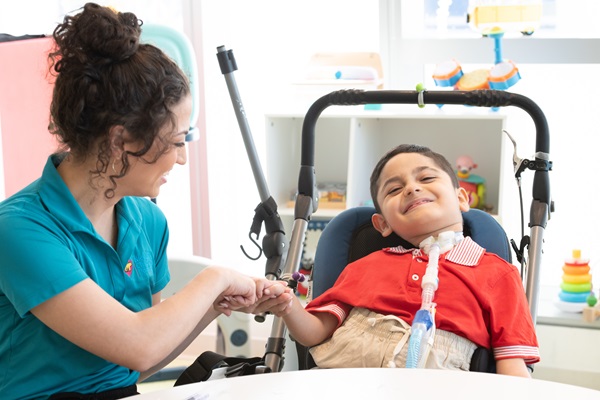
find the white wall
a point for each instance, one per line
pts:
(573, 137)
(17, 18)
(271, 50)
(272, 42)
(2, 195)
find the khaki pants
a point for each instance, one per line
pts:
(370, 340)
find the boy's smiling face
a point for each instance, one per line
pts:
(417, 199)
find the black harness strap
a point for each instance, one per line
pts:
(201, 369)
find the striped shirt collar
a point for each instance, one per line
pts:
(467, 252)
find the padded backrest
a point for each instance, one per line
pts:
(350, 236)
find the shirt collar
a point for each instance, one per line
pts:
(467, 252)
(57, 197)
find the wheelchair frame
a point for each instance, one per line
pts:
(541, 206)
(283, 260)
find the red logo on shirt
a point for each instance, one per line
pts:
(128, 268)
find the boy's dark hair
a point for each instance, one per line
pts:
(437, 158)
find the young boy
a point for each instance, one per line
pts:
(364, 319)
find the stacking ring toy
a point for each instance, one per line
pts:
(573, 297)
(576, 259)
(576, 270)
(576, 287)
(582, 278)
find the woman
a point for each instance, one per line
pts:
(82, 249)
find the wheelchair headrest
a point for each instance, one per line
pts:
(350, 236)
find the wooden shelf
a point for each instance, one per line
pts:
(349, 143)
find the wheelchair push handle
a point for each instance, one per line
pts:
(541, 205)
(478, 98)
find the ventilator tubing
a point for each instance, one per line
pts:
(420, 335)
(423, 326)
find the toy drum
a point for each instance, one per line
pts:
(447, 73)
(503, 75)
(474, 80)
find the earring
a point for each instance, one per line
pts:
(113, 166)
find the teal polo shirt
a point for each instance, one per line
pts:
(47, 245)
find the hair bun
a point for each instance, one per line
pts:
(106, 33)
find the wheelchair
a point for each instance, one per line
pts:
(343, 247)
(350, 236)
(359, 238)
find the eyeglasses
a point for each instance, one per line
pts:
(192, 135)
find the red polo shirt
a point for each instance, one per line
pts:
(480, 295)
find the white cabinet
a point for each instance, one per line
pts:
(349, 143)
(568, 355)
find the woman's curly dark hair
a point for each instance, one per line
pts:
(106, 77)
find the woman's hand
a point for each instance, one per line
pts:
(240, 290)
(270, 295)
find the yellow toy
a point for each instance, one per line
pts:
(521, 15)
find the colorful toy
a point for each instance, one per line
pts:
(447, 73)
(332, 195)
(504, 73)
(303, 279)
(592, 311)
(501, 76)
(474, 80)
(473, 184)
(576, 284)
(591, 300)
(523, 15)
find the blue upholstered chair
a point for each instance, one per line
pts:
(350, 236)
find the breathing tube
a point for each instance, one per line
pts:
(423, 326)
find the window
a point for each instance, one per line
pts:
(557, 63)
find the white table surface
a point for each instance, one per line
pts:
(372, 383)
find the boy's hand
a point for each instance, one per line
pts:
(276, 297)
(281, 308)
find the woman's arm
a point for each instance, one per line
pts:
(90, 318)
(208, 318)
(275, 293)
